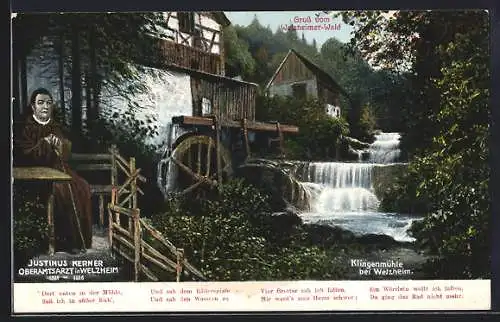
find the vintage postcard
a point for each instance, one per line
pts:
(250, 161)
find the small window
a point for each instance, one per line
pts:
(206, 106)
(329, 109)
(186, 22)
(299, 90)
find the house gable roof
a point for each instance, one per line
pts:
(221, 18)
(315, 69)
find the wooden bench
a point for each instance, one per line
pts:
(51, 176)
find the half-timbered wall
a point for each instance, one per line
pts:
(198, 30)
(193, 40)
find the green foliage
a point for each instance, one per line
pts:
(30, 223)
(366, 125)
(229, 236)
(456, 171)
(319, 133)
(447, 129)
(400, 196)
(239, 60)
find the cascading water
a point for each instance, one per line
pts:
(167, 170)
(342, 193)
(385, 149)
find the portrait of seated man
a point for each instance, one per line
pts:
(41, 142)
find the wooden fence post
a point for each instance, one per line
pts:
(217, 151)
(114, 170)
(281, 140)
(132, 202)
(180, 259)
(110, 217)
(137, 244)
(101, 210)
(245, 138)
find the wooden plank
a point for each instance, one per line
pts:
(137, 244)
(180, 257)
(122, 210)
(255, 126)
(90, 157)
(39, 173)
(122, 230)
(101, 189)
(126, 243)
(122, 253)
(133, 176)
(149, 274)
(101, 210)
(93, 167)
(114, 171)
(158, 263)
(156, 234)
(110, 227)
(122, 203)
(156, 253)
(217, 124)
(122, 167)
(190, 268)
(245, 138)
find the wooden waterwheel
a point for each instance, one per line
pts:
(196, 159)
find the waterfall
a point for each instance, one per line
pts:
(385, 149)
(340, 187)
(342, 193)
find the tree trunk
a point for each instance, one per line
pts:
(23, 91)
(76, 87)
(61, 76)
(92, 100)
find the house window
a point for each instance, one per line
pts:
(299, 90)
(206, 106)
(186, 22)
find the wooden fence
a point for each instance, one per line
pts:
(133, 238)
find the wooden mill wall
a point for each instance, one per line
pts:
(236, 100)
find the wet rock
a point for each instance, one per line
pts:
(355, 143)
(328, 235)
(378, 241)
(286, 219)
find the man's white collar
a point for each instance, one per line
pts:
(41, 122)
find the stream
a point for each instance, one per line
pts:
(342, 193)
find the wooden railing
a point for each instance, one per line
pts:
(190, 57)
(132, 238)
